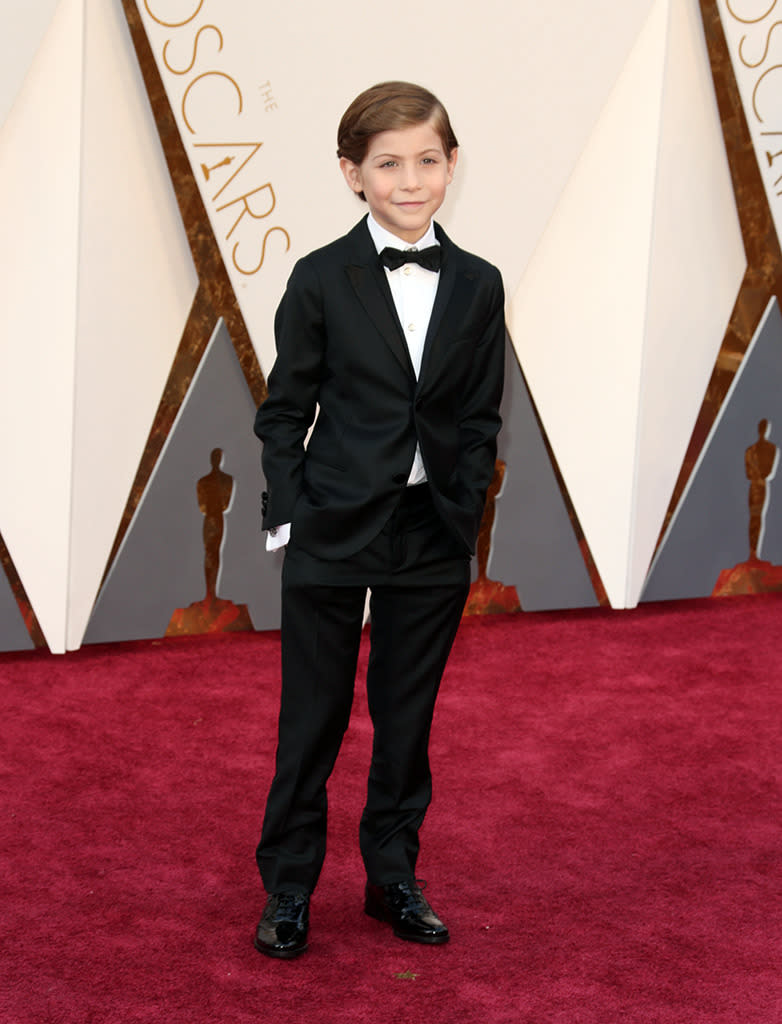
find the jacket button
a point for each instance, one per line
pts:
(399, 478)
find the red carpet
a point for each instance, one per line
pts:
(605, 842)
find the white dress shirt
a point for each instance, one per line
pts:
(413, 290)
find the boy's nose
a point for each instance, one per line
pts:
(410, 178)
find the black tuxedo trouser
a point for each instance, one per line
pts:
(419, 580)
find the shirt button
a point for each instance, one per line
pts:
(407, 269)
(411, 327)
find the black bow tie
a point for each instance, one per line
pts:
(429, 258)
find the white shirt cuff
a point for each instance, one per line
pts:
(278, 537)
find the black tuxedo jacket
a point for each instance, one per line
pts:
(341, 353)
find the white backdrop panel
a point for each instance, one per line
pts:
(25, 25)
(136, 285)
(697, 263)
(578, 316)
(39, 169)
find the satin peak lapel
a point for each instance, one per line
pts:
(454, 295)
(371, 287)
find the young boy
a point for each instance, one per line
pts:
(404, 361)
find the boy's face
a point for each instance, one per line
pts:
(404, 177)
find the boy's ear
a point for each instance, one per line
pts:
(452, 163)
(352, 173)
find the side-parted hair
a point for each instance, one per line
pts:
(387, 107)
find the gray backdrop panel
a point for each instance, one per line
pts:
(160, 566)
(710, 530)
(13, 632)
(534, 547)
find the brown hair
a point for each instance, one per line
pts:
(387, 107)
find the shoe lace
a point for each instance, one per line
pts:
(409, 896)
(290, 903)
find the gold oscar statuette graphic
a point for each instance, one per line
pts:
(759, 462)
(212, 614)
(754, 576)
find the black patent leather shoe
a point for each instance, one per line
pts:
(402, 905)
(282, 930)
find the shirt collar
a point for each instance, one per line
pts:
(383, 238)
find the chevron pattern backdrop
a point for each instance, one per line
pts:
(163, 164)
